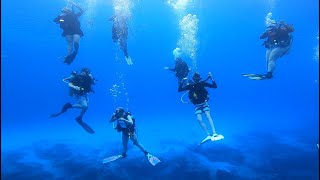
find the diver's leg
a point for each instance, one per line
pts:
(275, 54)
(123, 46)
(207, 112)
(125, 139)
(69, 39)
(83, 105)
(63, 110)
(134, 139)
(268, 51)
(76, 40)
(202, 124)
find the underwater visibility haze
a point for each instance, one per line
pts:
(80, 79)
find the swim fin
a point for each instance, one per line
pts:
(69, 59)
(217, 137)
(152, 159)
(85, 126)
(256, 76)
(63, 110)
(112, 158)
(129, 61)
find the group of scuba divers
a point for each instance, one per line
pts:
(278, 43)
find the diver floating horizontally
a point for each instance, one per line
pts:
(70, 24)
(80, 86)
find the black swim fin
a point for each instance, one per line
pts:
(69, 59)
(85, 126)
(63, 110)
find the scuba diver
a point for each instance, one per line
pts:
(120, 34)
(125, 123)
(181, 67)
(70, 24)
(278, 43)
(80, 86)
(199, 96)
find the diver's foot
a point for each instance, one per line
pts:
(214, 135)
(79, 119)
(269, 75)
(54, 115)
(148, 156)
(146, 153)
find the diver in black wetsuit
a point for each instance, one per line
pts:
(70, 25)
(199, 96)
(80, 86)
(181, 68)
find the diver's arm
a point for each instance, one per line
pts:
(264, 35)
(113, 118)
(79, 8)
(68, 79)
(170, 69)
(57, 19)
(129, 120)
(180, 89)
(289, 28)
(74, 87)
(212, 85)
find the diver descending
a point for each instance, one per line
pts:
(199, 96)
(125, 123)
(278, 44)
(70, 24)
(80, 86)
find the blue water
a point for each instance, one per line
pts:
(270, 127)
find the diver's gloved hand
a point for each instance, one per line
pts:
(166, 68)
(182, 80)
(78, 88)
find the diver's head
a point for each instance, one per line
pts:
(178, 59)
(85, 71)
(196, 77)
(119, 112)
(177, 53)
(272, 24)
(66, 10)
